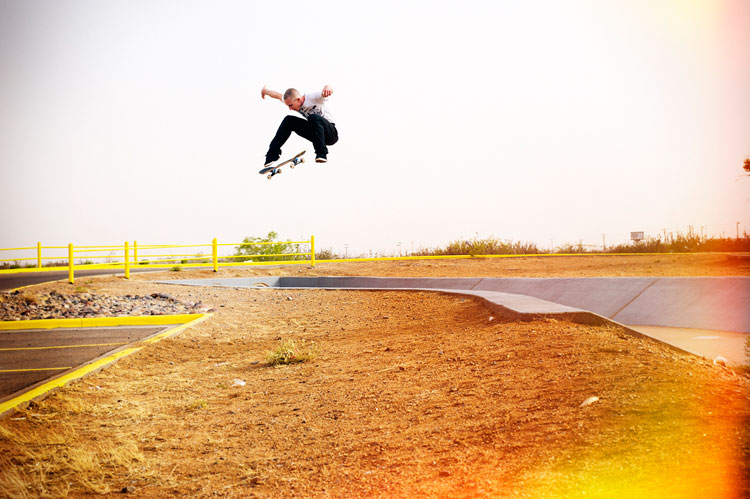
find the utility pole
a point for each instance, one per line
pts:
(738, 230)
(604, 243)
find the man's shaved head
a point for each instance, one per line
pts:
(291, 93)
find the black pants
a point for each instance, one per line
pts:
(316, 129)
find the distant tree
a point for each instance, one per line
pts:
(747, 165)
(254, 248)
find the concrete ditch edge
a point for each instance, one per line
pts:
(506, 305)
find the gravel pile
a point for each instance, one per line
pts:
(26, 306)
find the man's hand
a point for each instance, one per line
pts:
(327, 91)
(270, 93)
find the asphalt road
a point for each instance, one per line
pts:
(29, 357)
(13, 281)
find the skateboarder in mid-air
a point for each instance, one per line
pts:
(318, 128)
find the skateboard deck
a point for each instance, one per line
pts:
(276, 169)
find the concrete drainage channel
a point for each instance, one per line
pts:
(718, 305)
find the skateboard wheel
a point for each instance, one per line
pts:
(269, 176)
(291, 166)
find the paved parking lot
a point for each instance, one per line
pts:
(32, 356)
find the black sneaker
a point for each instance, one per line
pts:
(321, 159)
(269, 162)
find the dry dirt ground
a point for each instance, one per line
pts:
(412, 394)
(667, 265)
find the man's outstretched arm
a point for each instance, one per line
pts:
(271, 93)
(327, 91)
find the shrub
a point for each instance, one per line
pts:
(292, 352)
(478, 247)
(681, 243)
(326, 254)
(268, 246)
(56, 263)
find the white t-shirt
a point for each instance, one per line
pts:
(315, 103)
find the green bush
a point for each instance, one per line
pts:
(251, 250)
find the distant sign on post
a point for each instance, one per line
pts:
(636, 236)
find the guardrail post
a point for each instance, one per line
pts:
(215, 252)
(71, 278)
(39, 255)
(312, 251)
(135, 252)
(127, 261)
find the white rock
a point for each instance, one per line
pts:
(720, 361)
(589, 401)
(238, 382)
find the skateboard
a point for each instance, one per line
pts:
(276, 169)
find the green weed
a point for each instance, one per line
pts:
(292, 352)
(197, 404)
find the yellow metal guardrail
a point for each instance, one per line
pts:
(156, 256)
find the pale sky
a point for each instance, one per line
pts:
(542, 121)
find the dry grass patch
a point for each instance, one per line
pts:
(48, 462)
(292, 351)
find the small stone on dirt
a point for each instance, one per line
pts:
(589, 401)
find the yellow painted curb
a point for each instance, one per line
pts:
(44, 389)
(145, 320)
(178, 329)
(27, 286)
